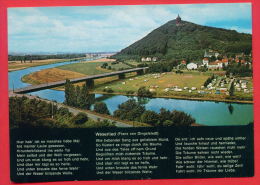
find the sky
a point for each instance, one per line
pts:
(110, 28)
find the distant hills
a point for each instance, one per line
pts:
(177, 40)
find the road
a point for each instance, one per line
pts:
(73, 110)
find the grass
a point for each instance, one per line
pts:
(119, 66)
(164, 81)
(91, 68)
(50, 75)
(188, 79)
(17, 65)
(132, 62)
(72, 71)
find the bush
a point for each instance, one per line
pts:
(143, 92)
(101, 107)
(63, 111)
(150, 117)
(80, 118)
(108, 90)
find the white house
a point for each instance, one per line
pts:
(192, 66)
(215, 65)
(205, 61)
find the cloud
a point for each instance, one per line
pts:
(108, 28)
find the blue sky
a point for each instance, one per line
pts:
(110, 28)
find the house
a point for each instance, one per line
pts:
(154, 59)
(211, 53)
(215, 65)
(192, 66)
(224, 61)
(183, 62)
(146, 59)
(205, 61)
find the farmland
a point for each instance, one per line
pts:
(93, 68)
(17, 65)
(189, 85)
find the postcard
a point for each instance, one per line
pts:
(131, 92)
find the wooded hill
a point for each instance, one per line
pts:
(187, 41)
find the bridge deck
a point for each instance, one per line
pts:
(33, 88)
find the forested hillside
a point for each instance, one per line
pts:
(187, 41)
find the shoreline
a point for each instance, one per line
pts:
(156, 96)
(182, 98)
(102, 116)
(40, 63)
(161, 96)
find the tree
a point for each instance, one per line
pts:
(101, 107)
(70, 94)
(180, 118)
(150, 117)
(232, 89)
(164, 115)
(143, 92)
(129, 110)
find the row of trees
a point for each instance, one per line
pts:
(43, 57)
(28, 113)
(25, 112)
(209, 80)
(164, 66)
(133, 111)
(78, 96)
(239, 69)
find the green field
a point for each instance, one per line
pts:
(92, 68)
(120, 66)
(157, 82)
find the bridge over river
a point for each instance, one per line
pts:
(88, 79)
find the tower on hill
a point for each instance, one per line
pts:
(178, 20)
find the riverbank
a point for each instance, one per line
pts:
(93, 115)
(17, 65)
(55, 74)
(180, 97)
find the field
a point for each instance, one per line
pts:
(73, 71)
(158, 82)
(92, 68)
(50, 75)
(17, 65)
(187, 85)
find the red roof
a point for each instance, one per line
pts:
(243, 61)
(183, 62)
(214, 63)
(224, 60)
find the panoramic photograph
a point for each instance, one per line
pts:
(130, 66)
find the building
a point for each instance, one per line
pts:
(205, 61)
(192, 66)
(183, 62)
(211, 53)
(178, 20)
(146, 59)
(216, 65)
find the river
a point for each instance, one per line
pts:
(208, 113)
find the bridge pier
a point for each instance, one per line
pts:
(121, 76)
(90, 83)
(140, 72)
